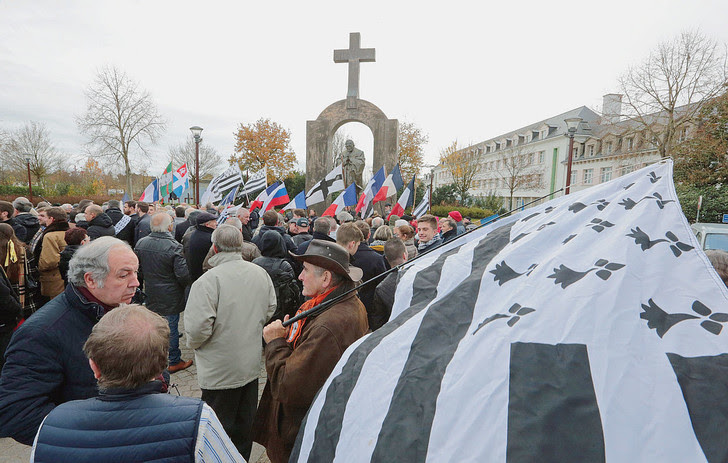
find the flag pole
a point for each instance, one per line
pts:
(328, 304)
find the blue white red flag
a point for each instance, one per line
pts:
(299, 202)
(390, 186)
(405, 200)
(277, 197)
(151, 192)
(365, 200)
(346, 198)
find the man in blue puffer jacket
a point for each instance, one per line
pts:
(132, 419)
(44, 363)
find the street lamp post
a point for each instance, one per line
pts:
(196, 131)
(30, 183)
(572, 124)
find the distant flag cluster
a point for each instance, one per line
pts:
(168, 184)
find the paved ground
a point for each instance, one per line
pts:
(186, 381)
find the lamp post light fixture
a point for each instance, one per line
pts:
(196, 131)
(572, 124)
(30, 183)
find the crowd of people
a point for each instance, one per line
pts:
(71, 364)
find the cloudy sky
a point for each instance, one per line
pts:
(458, 70)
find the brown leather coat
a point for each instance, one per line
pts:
(296, 375)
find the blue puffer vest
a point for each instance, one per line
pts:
(122, 425)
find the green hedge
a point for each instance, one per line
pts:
(20, 190)
(472, 212)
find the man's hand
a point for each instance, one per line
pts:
(274, 330)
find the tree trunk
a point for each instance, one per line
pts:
(127, 171)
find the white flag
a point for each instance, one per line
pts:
(333, 182)
(589, 328)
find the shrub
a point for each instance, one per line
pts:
(472, 212)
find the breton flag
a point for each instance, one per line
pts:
(256, 181)
(263, 196)
(230, 178)
(276, 198)
(230, 197)
(333, 182)
(181, 181)
(586, 329)
(151, 192)
(390, 186)
(166, 182)
(373, 185)
(347, 198)
(424, 205)
(405, 200)
(299, 202)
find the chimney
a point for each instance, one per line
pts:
(611, 107)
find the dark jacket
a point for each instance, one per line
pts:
(101, 225)
(126, 233)
(180, 229)
(383, 301)
(122, 425)
(247, 232)
(296, 374)
(199, 242)
(10, 308)
(434, 242)
(45, 365)
(143, 228)
(66, 256)
(450, 234)
(281, 273)
(301, 249)
(372, 264)
(18, 228)
(287, 241)
(30, 223)
(165, 274)
(301, 238)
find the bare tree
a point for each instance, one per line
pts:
(338, 145)
(184, 152)
(32, 141)
(669, 89)
(463, 165)
(120, 116)
(517, 172)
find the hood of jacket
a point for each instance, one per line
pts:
(102, 220)
(272, 245)
(114, 214)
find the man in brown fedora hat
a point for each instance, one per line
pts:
(299, 359)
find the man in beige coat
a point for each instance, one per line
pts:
(49, 253)
(224, 318)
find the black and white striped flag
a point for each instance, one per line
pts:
(423, 206)
(256, 182)
(589, 328)
(230, 178)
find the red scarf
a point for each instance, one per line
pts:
(294, 331)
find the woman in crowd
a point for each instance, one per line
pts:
(381, 236)
(407, 235)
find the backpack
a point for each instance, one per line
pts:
(288, 291)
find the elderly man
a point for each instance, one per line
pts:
(44, 364)
(299, 359)
(427, 233)
(321, 229)
(243, 215)
(448, 228)
(127, 352)
(99, 223)
(250, 251)
(198, 242)
(224, 319)
(163, 269)
(23, 217)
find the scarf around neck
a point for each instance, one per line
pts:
(294, 331)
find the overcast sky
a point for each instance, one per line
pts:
(458, 70)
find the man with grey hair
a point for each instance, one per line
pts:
(99, 223)
(322, 227)
(127, 351)
(224, 318)
(250, 251)
(243, 215)
(44, 364)
(23, 217)
(163, 271)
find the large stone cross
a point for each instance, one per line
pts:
(354, 55)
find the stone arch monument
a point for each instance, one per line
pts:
(320, 133)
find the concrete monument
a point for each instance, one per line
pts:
(352, 161)
(320, 133)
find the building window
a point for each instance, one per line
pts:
(627, 169)
(541, 156)
(683, 134)
(590, 151)
(576, 152)
(608, 147)
(573, 177)
(588, 176)
(630, 143)
(530, 158)
(606, 174)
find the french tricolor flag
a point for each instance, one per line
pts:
(405, 201)
(151, 192)
(393, 183)
(370, 191)
(263, 196)
(299, 202)
(347, 198)
(278, 197)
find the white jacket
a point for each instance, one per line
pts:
(224, 318)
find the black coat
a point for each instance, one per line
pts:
(450, 234)
(18, 228)
(383, 301)
(30, 223)
(143, 228)
(126, 233)
(9, 305)
(180, 229)
(66, 256)
(287, 241)
(301, 238)
(372, 264)
(101, 225)
(199, 242)
(165, 273)
(301, 249)
(45, 364)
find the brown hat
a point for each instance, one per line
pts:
(330, 256)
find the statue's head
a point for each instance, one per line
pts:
(349, 145)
